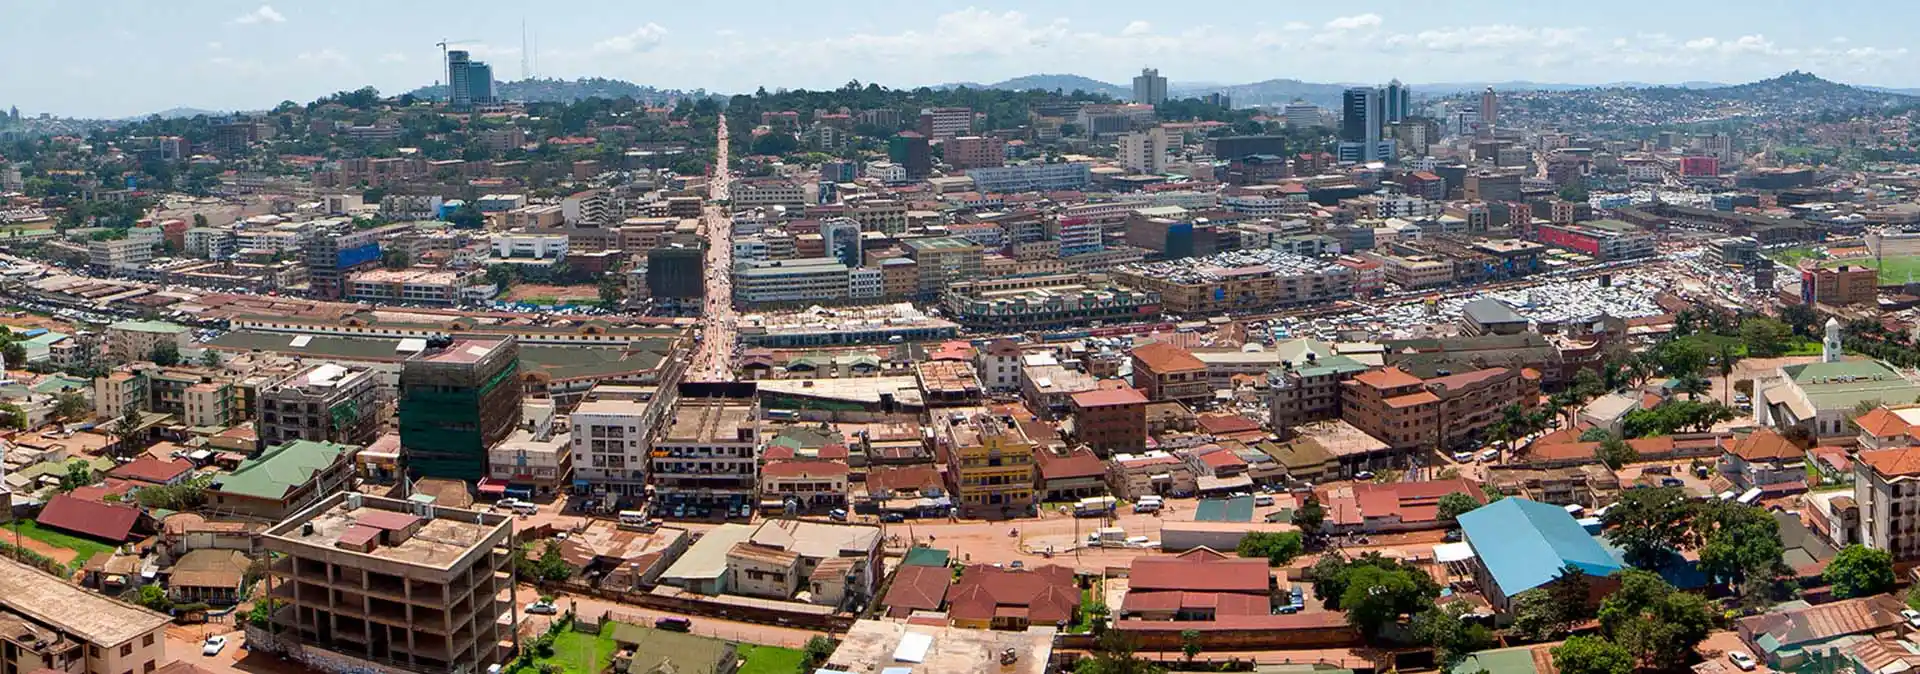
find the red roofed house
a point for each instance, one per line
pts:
(989, 597)
(1765, 460)
(1166, 372)
(1231, 425)
(1884, 428)
(1111, 420)
(154, 472)
(811, 485)
(1399, 506)
(1199, 584)
(917, 588)
(110, 522)
(1070, 475)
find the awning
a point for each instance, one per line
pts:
(1446, 553)
(491, 487)
(580, 483)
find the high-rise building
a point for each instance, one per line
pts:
(457, 399)
(340, 250)
(469, 82)
(911, 151)
(1398, 102)
(943, 123)
(1144, 151)
(706, 458)
(1301, 115)
(1150, 88)
(841, 239)
(1361, 110)
(676, 271)
(423, 587)
(324, 402)
(610, 444)
(1489, 110)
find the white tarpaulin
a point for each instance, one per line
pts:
(1447, 553)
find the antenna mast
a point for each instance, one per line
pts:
(525, 72)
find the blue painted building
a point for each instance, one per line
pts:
(1519, 545)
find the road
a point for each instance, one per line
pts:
(753, 633)
(713, 361)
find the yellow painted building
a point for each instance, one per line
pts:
(989, 461)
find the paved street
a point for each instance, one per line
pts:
(704, 626)
(714, 359)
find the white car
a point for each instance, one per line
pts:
(213, 645)
(1912, 617)
(1742, 660)
(542, 608)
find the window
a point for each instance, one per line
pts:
(146, 641)
(126, 650)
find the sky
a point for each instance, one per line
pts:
(113, 58)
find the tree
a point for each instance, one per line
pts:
(1452, 637)
(126, 430)
(71, 406)
(1574, 192)
(1190, 643)
(15, 353)
(209, 358)
(1615, 452)
(165, 354)
(200, 220)
(467, 217)
(502, 276)
(1656, 623)
(1376, 596)
(153, 597)
(611, 292)
(1740, 544)
(1680, 358)
(1587, 385)
(1592, 655)
(1455, 504)
(1310, 515)
(396, 259)
(1277, 547)
(1113, 654)
(79, 474)
(1859, 571)
(1765, 337)
(818, 649)
(184, 496)
(1644, 523)
(1595, 434)
(552, 567)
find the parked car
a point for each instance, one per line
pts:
(893, 517)
(213, 645)
(542, 608)
(674, 624)
(1742, 660)
(1363, 475)
(838, 514)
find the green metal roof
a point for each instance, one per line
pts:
(1516, 660)
(1847, 383)
(925, 556)
(281, 468)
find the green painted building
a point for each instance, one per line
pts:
(456, 400)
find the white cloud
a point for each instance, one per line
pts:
(642, 39)
(1356, 22)
(1136, 28)
(214, 46)
(393, 57)
(1297, 26)
(323, 58)
(265, 14)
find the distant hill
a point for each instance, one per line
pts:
(1268, 92)
(1065, 83)
(556, 90)
(182, 113)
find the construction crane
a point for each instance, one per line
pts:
(444, 69)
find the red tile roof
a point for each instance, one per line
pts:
(104, 521)
(1226, 422)
(152, 470)
(1046, 595)
(918, 588)
(1108, 397)
(1081, 463)
(1392, 377)
(804, 469)
(1223, 604)
(888, 479)
(1900, 462)
(1881, 422)
(1766, 445)
(1164, 358)
(1199, 570)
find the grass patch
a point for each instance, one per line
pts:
(770, 659)
(1083, 619)
(576, 653)
(1893, 270)
(83, 548)
(1792, 256)
(1804, 347)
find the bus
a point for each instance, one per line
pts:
(633, 519)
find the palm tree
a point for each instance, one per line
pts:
(1693, 385)
(1726, 375)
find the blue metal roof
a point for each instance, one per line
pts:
(1524, 544)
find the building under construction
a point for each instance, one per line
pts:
(457, 399)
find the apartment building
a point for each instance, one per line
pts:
(1163, 371)
(1409, 413)
(1044, 301)
(1603, 239)
(990, 461)
(336, 253)
(746, 195)
(395, 582)
(796, 281)
(119, 254)
(47, 623)
(135, 340)
(965, 152)
(1239, 281)
(324, 402)
(1111, 420)
(1308, 389)
(609, 440)
(943, 261)
(423, 286)
(706, 460)
(945, 123)
(209, 243)
(1037, 177)
(536, 460)
(1886, 489)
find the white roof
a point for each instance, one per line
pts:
(913, 647)
(1452, 552)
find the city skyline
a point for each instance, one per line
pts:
(249, 55)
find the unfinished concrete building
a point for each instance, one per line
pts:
(457, 399)
(323, 403)
(396, 583)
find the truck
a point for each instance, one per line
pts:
(1095, 506)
